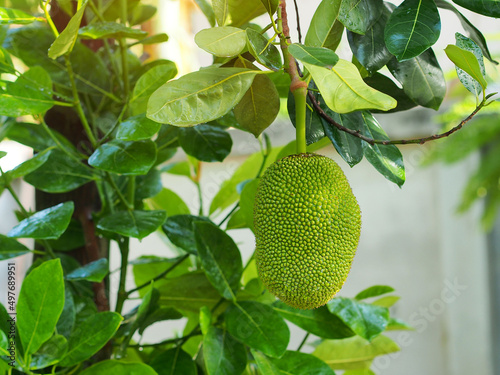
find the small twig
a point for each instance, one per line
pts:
(421, 141)
(303, 341)
(297, 15)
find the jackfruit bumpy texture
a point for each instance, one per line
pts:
(307, 224)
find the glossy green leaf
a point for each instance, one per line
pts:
(319, 322)
(264, 364)
(30, 94)
(172, 362)
(141, 13)
(112, 366)
(386, 159)
(94, 271)
(237, 220)
(348, 146)
(412, 28)
(259, 107)
(469, 28)
(148, 185)
(224, 41)
(468, 63)
(190, 291)
(265, 52)
(366, 320)
(125, 157)
(2, 154)
(205, 142)
(298, 363)
(4, 344)
(490, 8)
(282, 82)
(386, 85)
(46, 224)
(72, 238)
(221, 11)
(397, 324)
(153, 39)
(28, 166)
(354, 353)
(136, 224)
(180, 231)
(370, 49)
(271, 6)
(207, 10)
(59, 174)
(109, 30)
(90, 336)
(422, 79)
(344, 91)
(170, 202)
(148, 83)
(137, 128)
(10, 248)
(64, 43)
(68, 316)
(244, 11)
(358, 15)
(374, 291)
(16, 17)
(318, 56)
(222, 353)
(247, 199)
(40, 304)
(258, 326)
(49, 353)
(325, 30)
(34, 136)
(387, 301)
(220, 258)
(6, 64)
(199, 97)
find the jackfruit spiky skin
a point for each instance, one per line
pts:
(307, 224)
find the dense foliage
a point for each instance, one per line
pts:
(104, 122)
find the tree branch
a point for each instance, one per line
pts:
(297, 15)
(421, 141)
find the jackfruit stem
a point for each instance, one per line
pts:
(300, 95)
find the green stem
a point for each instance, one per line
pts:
(124, 245)
(78, 104)
(131, 191)
(52, 136)
(200, 198)
(303, 341)
(49, 18)
(118, 192)
(300, 95)
(123, 52)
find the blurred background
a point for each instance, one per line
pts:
(444, 266)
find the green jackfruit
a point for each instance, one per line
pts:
(307, 224)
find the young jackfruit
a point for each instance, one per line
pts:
(307, 224)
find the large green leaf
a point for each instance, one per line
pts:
(467, 62)
(30, 94)
(366, 320)
(223, 355)
(137, 128)
(298, 363)
(386, 85)
(259, 107)
(271, 6)
(16, 17)
(374, 291)
(224, 41)
(148, 83)
(205, 142)
(344, 91)
(264, 364)
(125, 157)
(264, 52)
(40, 304)
(172, 362)
(46, 224)
(94, 271)
(413, 27)
(319, 56)
(64, 43)
(358, 15)
(386, 159)
(243, 11)
(112, 366)
(49, 353)
(68, 316)
(59, 174)
(325, 30)
(28, 166)
(258, 326)
(170, 202)
(354, 353)
(90, 336)
(10, 248)
(35, 136)
(370, 49)
(422, 79)
(180, 231)
(490, 8)
(319, 322)
(220, 258)
(200, 96)
(471, 30)
(110, 30)
(221, 11)
(473, 85)
(136, 224)
(190, 291)
(207, 10)
(247, 199)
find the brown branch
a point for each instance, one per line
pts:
(297, 15)
(421, 141)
